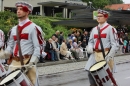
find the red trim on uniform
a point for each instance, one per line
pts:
(40, 39)
(1, 67)
(22, 36)
(102, 35)
(16, 49)
(113, 30)
(39, 36)
(96, 36)
(25, 36)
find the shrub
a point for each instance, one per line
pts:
(9, 19)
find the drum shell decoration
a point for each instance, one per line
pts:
(103, 75)
(18, 80)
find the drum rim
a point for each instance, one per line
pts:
(98, 68)
(10, 81)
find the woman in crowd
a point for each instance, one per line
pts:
(64, 51)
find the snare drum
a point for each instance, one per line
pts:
(2, 71)
(16, 78)
(102, 74)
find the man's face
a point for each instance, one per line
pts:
(101, 18)
(53, 38)
(21, 13)
(86, 32)
(50, 41)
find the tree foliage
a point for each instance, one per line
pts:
(103, 3)
(9, 19)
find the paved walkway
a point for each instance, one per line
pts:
(50, 69)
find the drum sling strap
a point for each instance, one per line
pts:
(101, 44)
(19, 47)
(110, 62)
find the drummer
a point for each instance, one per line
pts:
(2, 61)
(29, 41)
(108, 36)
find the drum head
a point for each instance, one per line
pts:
(97, 66)
(9, 78)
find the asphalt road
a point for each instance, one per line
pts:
(79, 77)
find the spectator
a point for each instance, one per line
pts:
(68, 38)
(124, 45)
(64, 51)
(84, 44)
(61, 38)
(121, 43)
(49, 49)
(76, 47)
(126, 37)
(56, 51)
(85, 35)
(56, 34)
(70, 47)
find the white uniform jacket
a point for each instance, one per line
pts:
(109, 40)
(2, 38)
(29, 40)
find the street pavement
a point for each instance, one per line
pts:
(75, 65)
(66, 74)
(79, 77)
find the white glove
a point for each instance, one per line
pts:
(89, 49)
(110, 55)
(107, 58)
(4, 54)
(33, 60)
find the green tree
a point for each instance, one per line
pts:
(103, 3)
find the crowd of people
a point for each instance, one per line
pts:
(74, 46)
(60, 48)
(124, 40)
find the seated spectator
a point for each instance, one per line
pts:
(64, 51)
(56, 51)
(83, 44)
(70, 47)
(76, 47)
(49, 49)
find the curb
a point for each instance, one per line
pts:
(60, 62)
(70, 61)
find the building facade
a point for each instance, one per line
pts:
(118, 7)
(47, 7)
